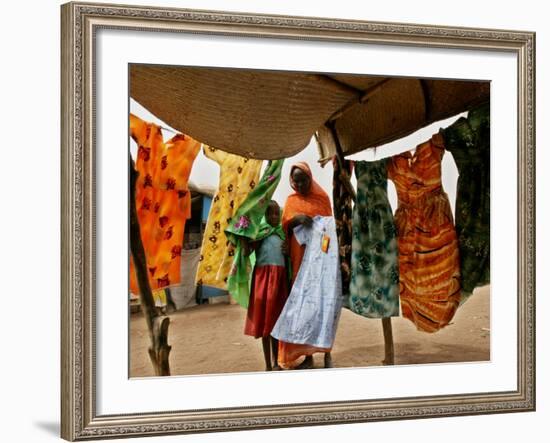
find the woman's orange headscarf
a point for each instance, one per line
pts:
(315, 202)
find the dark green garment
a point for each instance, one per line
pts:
(342, 204)
(249, 223)
(468, 139)
(374, 287)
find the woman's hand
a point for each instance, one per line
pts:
(303, 219)
(300, 219)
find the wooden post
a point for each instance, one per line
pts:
(388, 341)
(386, 322)
(346, 180)
(159, 350)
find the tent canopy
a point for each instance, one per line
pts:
(269, 115)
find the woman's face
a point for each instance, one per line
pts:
(301, 180)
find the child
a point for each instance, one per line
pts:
(269, 287)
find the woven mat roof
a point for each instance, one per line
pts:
(269, 115)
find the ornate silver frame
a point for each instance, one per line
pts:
(80, 21)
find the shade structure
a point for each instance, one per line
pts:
(274, 114)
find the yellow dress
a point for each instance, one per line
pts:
(238, 176)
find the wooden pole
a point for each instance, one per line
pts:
(157, 324)
(388, 341)
(346, 180)
(344, 177)
(359, 98)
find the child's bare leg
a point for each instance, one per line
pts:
(307, 363)
(267, 353)
(328, 360)
(275, 353)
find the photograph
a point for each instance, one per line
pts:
(303, 220)
(276, 221)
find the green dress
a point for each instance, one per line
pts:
(468, 139)
(249, 222)
(374, 287)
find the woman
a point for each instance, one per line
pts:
(300, 207)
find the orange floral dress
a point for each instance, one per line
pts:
(429, 267)
(163, 200)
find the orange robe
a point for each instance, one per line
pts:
(163, 200)
(316, 202)
(429, 267)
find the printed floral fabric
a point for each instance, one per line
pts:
(468, 139)
(248, 222)
(163, 200)
(342, 205)
(238, 176)
(429, 265)
(374, 288)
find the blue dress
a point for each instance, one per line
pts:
(312, 310)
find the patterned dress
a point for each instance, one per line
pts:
(238, 176)
(468, 139)
(374, 288)
(341, 200)
(429, 265)
(163, 200)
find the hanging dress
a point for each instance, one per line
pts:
(429, 266)
(311, 313)
(341, 201)
(374, 288)
(238, 176)
(468, 139)
(248, 222)
(163, 200)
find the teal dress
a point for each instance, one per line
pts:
(374, 287)
(468, 139)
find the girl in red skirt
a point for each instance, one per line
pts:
(269, 288)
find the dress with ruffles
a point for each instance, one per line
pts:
(429, 266)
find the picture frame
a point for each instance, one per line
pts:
(81, 22)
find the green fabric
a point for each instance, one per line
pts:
(249, 223)
(468, 139)
(374, 286)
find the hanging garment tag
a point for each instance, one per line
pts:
(325, 242)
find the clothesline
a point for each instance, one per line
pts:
(217, 272)
(173, 131)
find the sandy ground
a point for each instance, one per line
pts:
(209, 339)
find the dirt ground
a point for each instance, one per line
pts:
(209, 339)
